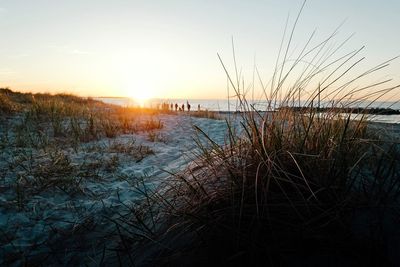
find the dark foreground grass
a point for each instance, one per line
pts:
(295, 188)
(302, 191)
(289, 188)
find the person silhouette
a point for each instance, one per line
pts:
(176, 106)
(188, 106)
(183, 107)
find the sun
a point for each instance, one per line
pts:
(140, 90)
(141, 96)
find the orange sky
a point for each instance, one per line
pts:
(168, 49)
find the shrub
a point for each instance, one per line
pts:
(6, 104)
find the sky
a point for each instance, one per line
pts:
(168, 49)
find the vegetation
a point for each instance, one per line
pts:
(71, 117)
(56, 151)
(289, 187)
(294, 188)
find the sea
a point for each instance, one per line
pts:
(225, 105)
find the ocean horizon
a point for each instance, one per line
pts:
(223, 105)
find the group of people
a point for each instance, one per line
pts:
(177, 107)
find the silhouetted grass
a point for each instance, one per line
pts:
(287, 188)
(295, 188)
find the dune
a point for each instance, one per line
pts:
(86, 182)
(43, 215)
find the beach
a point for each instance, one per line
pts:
(110, 170)
(199, 133)
(71, 199)
(38, 220)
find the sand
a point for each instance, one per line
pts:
(72, 226)
(53, 216)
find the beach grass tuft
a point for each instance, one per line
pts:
(298, 183)
(297, 186)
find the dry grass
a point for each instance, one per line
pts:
(157, 137)
(294, 188)
(68, 119)
(6, 105)
(137, 151)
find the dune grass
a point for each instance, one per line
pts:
(289, 187)
(295, 187)
(54, 149)
(44, 118)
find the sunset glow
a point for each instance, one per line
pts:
(199, 133)
(141, 96)
(167, 49)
